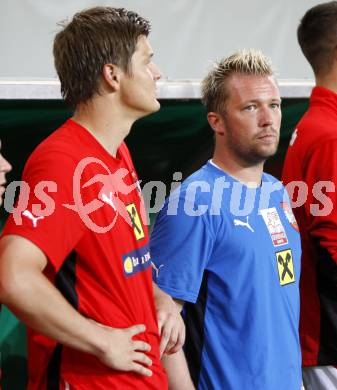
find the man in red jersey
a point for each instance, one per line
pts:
(311, 158)
(74, 260)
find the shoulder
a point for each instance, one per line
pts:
(271, 179)
(271, 186)
(317, 125)
(199, 186)
(63, 141)
(56, 156)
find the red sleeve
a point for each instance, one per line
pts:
(40, 214)
(320, 209)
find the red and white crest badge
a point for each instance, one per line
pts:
(289, 215)
(274, 226)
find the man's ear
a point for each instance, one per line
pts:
(216, 122)
(111, 75)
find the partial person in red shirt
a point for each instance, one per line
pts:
(312, 160)
(5, 167)
(75, 264)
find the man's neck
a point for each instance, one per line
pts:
(248, 175)
(328, 81)
(105, 122)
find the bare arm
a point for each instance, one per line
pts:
(177, 371)
(170, 323)
(172, 339)
(33, 299)
(176, 366)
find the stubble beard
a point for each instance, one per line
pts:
(254, 154)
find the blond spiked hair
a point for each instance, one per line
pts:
(213, 89)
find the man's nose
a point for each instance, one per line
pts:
(155, 72)
(266, 117)
(5, 166)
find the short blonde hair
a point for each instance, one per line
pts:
(249, 62)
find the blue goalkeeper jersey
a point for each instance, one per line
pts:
(232, 253)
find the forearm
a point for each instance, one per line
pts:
(30, 295)
(35, 301)
(175, 364)
(177, 371)
(170, 323)
(160, 296)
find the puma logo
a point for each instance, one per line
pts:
(108, 200)
(156, 269)
(238, 222)
(30, 216)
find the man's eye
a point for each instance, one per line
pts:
(250, 107)
(275, 105)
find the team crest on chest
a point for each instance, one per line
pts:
(289, 215)
(274, 225)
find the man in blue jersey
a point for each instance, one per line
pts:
(226, 244)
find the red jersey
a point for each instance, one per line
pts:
(90, 225)
(312, 158)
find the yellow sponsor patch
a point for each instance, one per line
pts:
(285, 266)
(136, 222)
